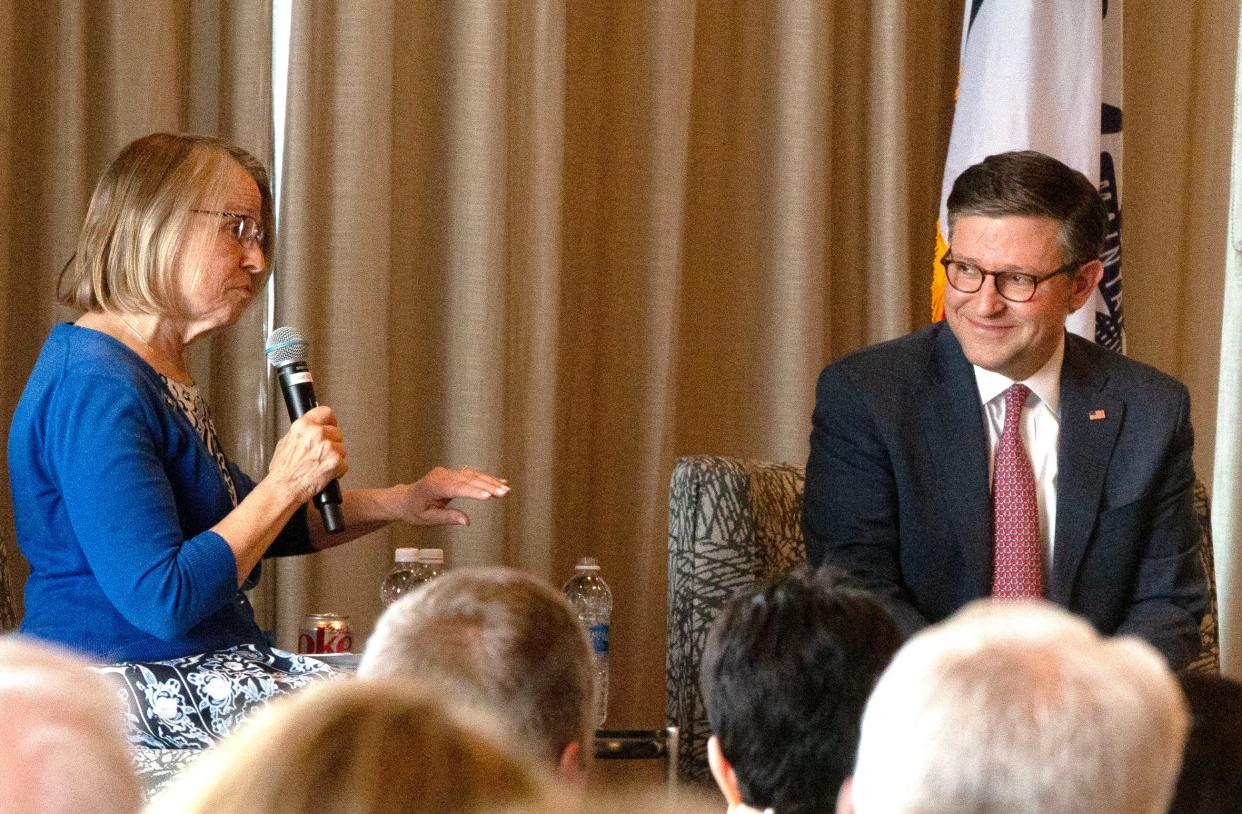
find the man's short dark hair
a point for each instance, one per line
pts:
(785, 675)
(1033, 184)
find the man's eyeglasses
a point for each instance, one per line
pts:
(1015, 286)
(244, 228)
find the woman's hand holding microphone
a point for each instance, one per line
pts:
(311, 454)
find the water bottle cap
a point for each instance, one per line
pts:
(431, 555)
(406, 555)
(587, 564)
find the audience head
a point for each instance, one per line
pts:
(358, 747)
(785, 674)
(1211, 779)
(142, 227)
(503, 642)
(63, 734)
(623, 800)
(1031, 184)
(1019, 708)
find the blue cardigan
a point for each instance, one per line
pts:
(114, 495)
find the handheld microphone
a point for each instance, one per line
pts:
(286, 351)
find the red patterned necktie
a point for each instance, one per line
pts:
(1018, 570)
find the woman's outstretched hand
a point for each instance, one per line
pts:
(426, 501)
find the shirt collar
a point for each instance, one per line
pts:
(1045, 383)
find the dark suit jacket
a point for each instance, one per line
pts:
(897, 488)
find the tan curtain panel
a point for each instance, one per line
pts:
(79, 80)
(1227, 497)
(1179, 101)
(569, 241)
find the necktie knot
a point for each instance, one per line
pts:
(1015, 399)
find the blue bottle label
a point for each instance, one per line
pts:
(599, 638)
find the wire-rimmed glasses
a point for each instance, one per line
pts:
(244, 228)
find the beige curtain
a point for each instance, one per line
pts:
(1179, 80)
(1179, 101)
(569, 241)
(78, 80)
(1227, 503)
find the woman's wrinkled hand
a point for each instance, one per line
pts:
(311, 454)
(426, 501)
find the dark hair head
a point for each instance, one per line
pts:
(786, 672)
(1211, 778)
(1033, 184)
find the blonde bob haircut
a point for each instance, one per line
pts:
(354, 746)
(139, 233)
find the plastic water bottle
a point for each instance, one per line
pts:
(432, 562)
(591, 599)
(403, 578)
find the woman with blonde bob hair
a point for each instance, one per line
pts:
(363, 747)
(139, 530)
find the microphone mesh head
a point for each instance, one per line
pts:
(284, 347)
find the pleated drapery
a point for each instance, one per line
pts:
(1227, 496)
(566, 242)
(77, 82)
(569, 241)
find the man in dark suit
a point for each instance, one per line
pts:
(1093, 470)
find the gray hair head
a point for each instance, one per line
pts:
(1020, 708)
(498, 640)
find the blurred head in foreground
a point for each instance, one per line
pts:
(500, 641)
(62, 729)
(638, 799)
(358, 747)
(1211, 779)
(785, 674)
(1019, 708)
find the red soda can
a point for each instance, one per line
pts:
(325, 633)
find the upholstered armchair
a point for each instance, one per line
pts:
(733, 524)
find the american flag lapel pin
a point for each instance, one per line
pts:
(1097, 415)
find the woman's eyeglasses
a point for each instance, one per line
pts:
(244, 228)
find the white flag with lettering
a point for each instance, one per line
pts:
(1044, 75)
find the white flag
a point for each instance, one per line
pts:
(1044, 75)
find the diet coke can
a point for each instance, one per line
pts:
(325, 633)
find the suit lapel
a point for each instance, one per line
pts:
(1090, 421)
(952, 422)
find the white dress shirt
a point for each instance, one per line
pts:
(1040, 427)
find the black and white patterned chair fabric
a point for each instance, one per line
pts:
(1209, 638)
(733, 524)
